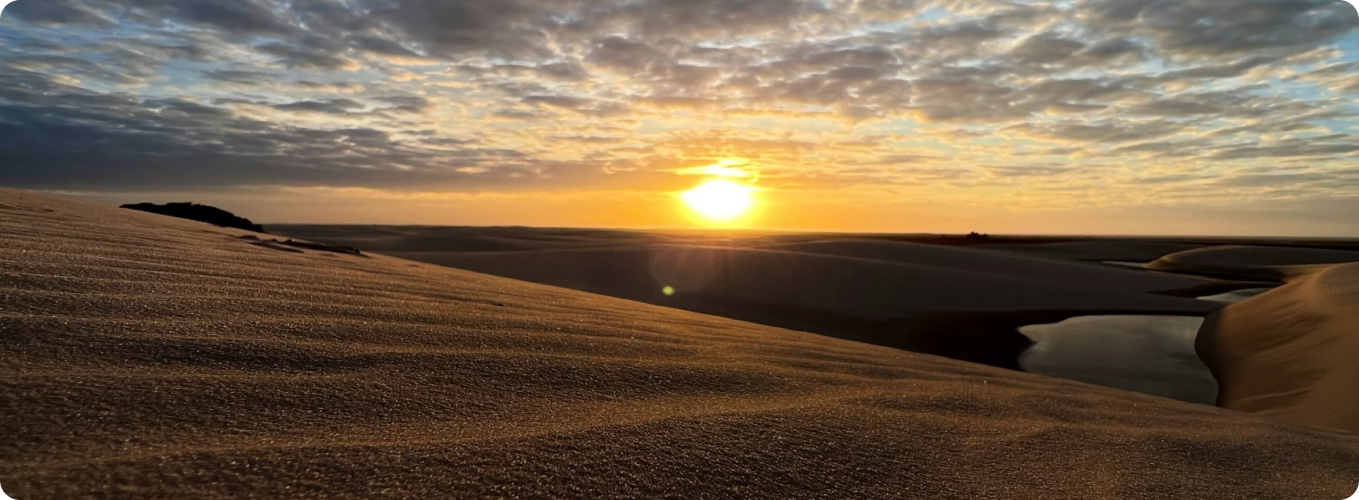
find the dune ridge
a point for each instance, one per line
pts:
(148, 357)
(1290, 353)
(983, 260)
(1249, 261)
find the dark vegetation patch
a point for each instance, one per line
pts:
(200, 213)
(274, 244)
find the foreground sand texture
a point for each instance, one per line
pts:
(1292, 353)
(147, 357)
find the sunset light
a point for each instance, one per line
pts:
(720, 200)
(755, 249)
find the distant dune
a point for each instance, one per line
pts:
(988, 261)
(462, 239)
(1100, 250)
(964, 303)
(151, 357)
(1248, 261)
(949, 311)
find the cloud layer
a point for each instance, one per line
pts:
(1040, 103)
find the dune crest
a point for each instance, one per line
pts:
(1249, 261)
(148, 357)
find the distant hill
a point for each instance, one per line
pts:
(200, 213)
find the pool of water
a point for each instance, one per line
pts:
(1130, 265)
(1148, 354)
(1236, 295)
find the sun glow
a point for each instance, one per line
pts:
(720, 200)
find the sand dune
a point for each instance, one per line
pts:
(1099, 250)
(952, 301)
(858, 287)
(461, 239)
(1249, 261)
(961, 314)
(1291, 353)
(385, 239)
(148, 357)
(982, 260)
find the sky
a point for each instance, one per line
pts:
(1212, 117)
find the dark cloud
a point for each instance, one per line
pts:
(563, 70)
(1046, 48)
(446, 28)
(1217, 28)
(333, 106)
(300, 56)
(85, 140)
(236, 16)
(1330, 145)
(56, 12)
(1111, 132)
(405, 104)
(1175, 79)
(239, 77)
(1115, 50)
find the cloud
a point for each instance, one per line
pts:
(1198, 29)
(310, 54)
(86, 140)
(333, 106)
(406, 104)
(237, 76)
(1331, 145)
(204, 94)
(1030, 170)
(59, 13)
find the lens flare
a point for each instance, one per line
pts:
(720, 199)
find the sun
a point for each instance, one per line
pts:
(720, 200)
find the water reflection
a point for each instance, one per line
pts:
(1147, 354)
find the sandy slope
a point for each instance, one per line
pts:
(1099, 250)
(148, 357)
(954, 312)
(1010, 264)
(1291, 353)
(1249, 261)
(857, 287)
(962, 303)
(461, 239)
